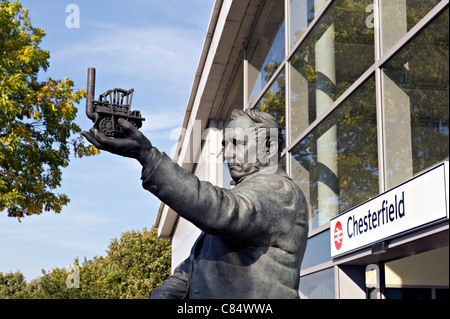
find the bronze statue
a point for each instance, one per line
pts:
(254, 235)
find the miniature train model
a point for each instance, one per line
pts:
(111, 105)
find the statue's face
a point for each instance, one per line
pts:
(240, 148)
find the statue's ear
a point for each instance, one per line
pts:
(271, 147)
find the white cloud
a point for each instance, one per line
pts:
(151, 52)
(161, 120)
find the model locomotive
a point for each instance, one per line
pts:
(111, 105)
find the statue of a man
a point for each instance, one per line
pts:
(254, 235)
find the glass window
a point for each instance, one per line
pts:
(416, 97)
(408, 293)
(266, 48)
(334, 55)
(399, 16)
(319, 285)
(274, 101)
(301, 13)
(336, 165)
(318, 250)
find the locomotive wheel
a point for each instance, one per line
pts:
(106, 126)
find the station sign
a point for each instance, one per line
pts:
(418, 202)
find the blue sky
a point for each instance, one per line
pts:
(152, 46)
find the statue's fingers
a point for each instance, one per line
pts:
(129, 128)
(114, 145)
(106, 142)
(91, 138)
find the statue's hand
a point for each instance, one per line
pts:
(136, 145)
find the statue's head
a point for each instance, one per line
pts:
(252, 143)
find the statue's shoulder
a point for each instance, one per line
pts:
(269, 181)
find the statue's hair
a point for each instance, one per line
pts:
(261, 120)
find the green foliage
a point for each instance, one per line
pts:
(50, 285)
(135, 265)
(36, 120)
(12, 285)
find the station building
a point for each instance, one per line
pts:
(361, 90)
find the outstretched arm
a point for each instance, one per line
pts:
(235, 214)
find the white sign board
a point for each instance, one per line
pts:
(420, 201)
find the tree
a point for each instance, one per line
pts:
(51, 285)
(12, 285)
(134, 266)
(36, 120)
